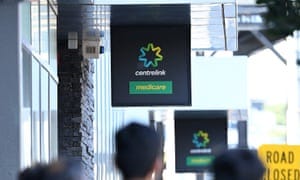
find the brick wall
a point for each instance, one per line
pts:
(75, 107)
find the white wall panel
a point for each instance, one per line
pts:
(219, 83)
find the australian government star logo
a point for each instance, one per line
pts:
(150, 63)
(201, 141)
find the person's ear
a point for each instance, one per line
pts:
(157, 168)
(158, 165)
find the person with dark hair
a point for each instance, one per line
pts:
(138, 152)
(57, 170)
(64, 169)
(36, 172)
(238, 164)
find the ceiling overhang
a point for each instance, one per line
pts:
(141, 2)
(154, 14)
(213, 23)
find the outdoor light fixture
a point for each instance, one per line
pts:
(91, 44)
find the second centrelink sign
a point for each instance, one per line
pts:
(199, 137)
(150, 65)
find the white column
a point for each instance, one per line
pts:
(293, 121)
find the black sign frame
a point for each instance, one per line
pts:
(136, 83)
(199, 137)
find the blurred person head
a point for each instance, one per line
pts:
(64, 169)
(57, 170)
(238, 164)
(35, 172)
(138, 151)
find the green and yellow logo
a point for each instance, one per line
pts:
(200, 139)
(150, 48)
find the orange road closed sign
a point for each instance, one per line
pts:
(282, 161)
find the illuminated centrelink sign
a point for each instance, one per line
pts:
(198, 137)
(155, 67)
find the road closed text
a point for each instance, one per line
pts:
(282, 162)
(282, 174)
(281, 158)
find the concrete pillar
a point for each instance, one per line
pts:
(10, 90)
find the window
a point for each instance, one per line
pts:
(26, 112)
(52, 36)
(36, 130)
(25, 8)
(35, 26)
(44, 31)
(39, 118)
(53, 119)
(44, 116)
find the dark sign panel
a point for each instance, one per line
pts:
(150, 65)
(199, 136)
